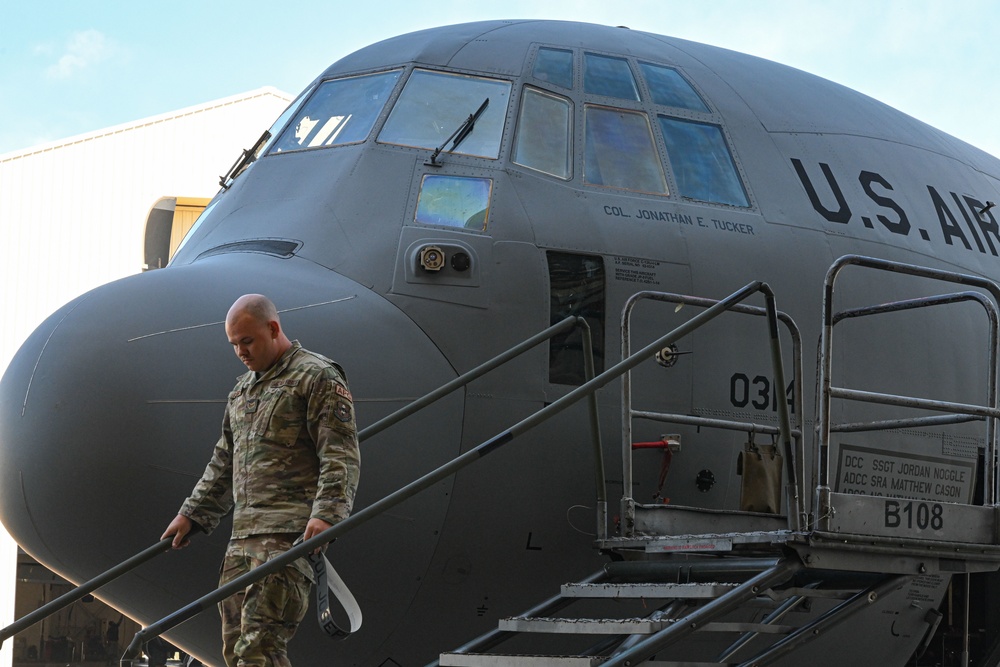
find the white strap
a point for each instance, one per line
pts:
(343, 595)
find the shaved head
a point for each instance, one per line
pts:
(254, 331)
(256, 306)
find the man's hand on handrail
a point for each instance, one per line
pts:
(179, 529)
(313, 528)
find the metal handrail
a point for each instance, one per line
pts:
(588, 389)
(475, 374)
(794, 457)
(827, 391)
(717, 608)
(324, 538)
(163, 545)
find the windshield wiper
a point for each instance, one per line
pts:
(459, 135)
(244, 161)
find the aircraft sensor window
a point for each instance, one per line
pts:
(610, 77)
(702, 163)
(454, 201)
(670, 89)
(545, 133)
(341, 111)
(620, 152)
(433, 104)
(554, 66)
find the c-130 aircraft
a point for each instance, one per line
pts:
(435, 199)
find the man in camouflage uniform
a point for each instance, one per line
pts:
(287, 464)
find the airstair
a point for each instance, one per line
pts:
(693, 587)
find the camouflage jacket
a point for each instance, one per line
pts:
(288, 450)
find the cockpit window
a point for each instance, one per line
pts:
(283, 119)
(670, 89)
(620, 152)
(342, 111)
(433, 105)
(454, 201)
(610, 77)
(554, 66)
(545, 133)
(703, 166)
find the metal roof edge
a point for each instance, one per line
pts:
(264, 91)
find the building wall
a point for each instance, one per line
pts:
(72, 217)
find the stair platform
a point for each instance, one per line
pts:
(660, 519)
(696, 543)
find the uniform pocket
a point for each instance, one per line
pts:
(282, 416)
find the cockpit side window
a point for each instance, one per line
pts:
(341, 111)
(433, 105)
(554, 66)
(670, 89)
(610, 77)
(619, 151)
(544, 139)
(703, 165)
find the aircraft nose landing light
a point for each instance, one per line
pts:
(431, 258)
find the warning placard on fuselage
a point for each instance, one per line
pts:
(877, 472)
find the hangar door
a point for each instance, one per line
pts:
(167, 223)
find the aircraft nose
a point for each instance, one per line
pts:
(110, 411)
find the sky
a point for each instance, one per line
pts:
(69, 67)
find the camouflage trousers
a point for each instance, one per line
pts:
(259, 621)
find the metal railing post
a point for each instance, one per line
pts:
(827, 392)
(794, 453)
(793, 501)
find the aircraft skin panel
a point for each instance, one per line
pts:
(410, 270)
(787, 100)
(479, 577)
(501, 45)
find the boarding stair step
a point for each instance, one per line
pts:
(625, 626)
(496, 660)
(584, 626)
(687, 591)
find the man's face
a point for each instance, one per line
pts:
(254, 342)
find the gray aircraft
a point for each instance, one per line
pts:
(434, 200)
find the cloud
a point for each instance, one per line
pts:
(83, 50)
